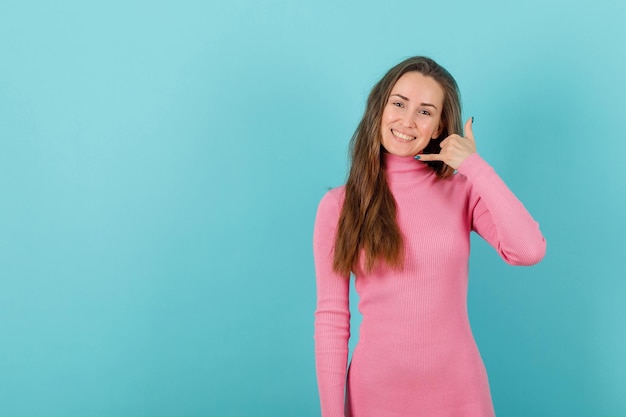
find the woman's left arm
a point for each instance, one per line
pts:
(496, 214)
(499, 217)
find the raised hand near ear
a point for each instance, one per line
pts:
(454, 148)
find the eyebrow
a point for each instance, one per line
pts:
(407, 99)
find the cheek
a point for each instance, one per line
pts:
(386, 117)
(436, 127)
(429, 125)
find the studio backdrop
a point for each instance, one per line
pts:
(161, 163)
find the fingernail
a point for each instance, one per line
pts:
(417, 157)
(472, 119)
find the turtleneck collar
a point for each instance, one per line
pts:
(405, 168)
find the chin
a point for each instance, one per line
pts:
(403, 153)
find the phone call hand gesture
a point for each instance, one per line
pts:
(454, 148)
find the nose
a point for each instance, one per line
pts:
(407, 119)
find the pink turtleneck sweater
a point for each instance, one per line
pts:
(416, 354)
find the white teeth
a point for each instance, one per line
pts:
(401, 136)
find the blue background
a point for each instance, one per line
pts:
(161, 164)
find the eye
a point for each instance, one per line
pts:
(398, 104)
(425, 112)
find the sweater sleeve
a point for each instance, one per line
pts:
(499, 217)
(332, 314)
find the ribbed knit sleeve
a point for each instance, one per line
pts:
(332, 315)
(499, 217)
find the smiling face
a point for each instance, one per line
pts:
(412, 115)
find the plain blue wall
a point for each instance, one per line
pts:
(161, 164)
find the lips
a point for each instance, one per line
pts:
(402, 137)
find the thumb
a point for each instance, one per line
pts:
(468, 128)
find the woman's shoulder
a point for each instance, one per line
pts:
(334, 195)
(474, 169)
(456, 183)
(332, 200)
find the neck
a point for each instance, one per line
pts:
(404, 168)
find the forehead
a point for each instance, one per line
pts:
(417, 87)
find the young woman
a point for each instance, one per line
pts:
(401, 225)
